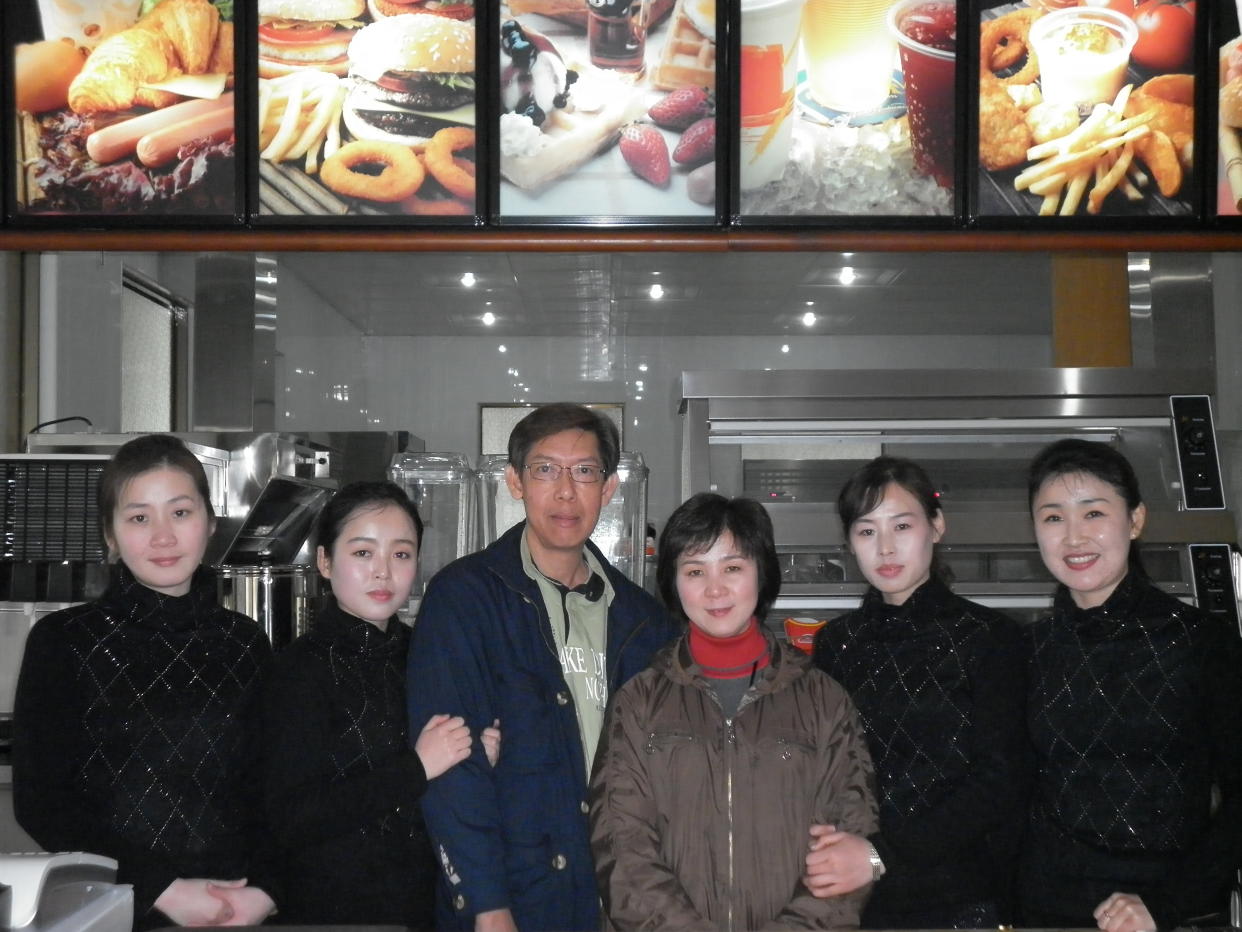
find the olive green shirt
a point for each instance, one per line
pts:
(579, 619)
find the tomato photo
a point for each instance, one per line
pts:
(1166, 35)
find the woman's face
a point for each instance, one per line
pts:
(160, 529)
(893, 544)
(373, 563)
(1084, 529)
(718, 588)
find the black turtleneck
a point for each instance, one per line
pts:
(938, 683)
(132, 734)
(341, 782)
(1135, 712)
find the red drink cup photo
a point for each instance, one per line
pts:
(926, 33)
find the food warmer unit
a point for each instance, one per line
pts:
(791, 438)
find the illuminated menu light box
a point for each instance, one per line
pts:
(867, 114)
(369, 119)
(606, 112)
(847, 110)
(1085, 115)
(121, 110)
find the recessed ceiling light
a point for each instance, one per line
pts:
(503, 348)
(642, 367)
(808, 319)
(784, 347)
(468, 279)
(488, 319)
(847, 275)
(657, 292)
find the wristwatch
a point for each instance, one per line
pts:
(877, 863)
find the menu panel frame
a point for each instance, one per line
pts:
(79, 176)
(600, 188)
(951, 212)
(993, 205)
(296, 186)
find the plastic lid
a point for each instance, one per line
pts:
(430, 467)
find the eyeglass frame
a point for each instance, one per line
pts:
(598, 472)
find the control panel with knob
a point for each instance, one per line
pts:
(1211, 566)
(1196, 452)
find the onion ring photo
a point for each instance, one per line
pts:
(400, 172)
(1002, 42)
(444, 167)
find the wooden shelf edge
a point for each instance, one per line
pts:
(592, 240)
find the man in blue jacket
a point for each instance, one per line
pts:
(536, 631)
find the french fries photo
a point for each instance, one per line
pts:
(300, 117)
(1099, 152)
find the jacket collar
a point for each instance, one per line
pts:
(507, 560)
(785, 665)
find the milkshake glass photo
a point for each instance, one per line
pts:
(769, 75)
(848, 52)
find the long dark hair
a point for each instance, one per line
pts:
(696, 525)
(140, 455)
(1074, 456)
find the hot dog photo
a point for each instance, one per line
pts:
(124, 107)
(366, 108)
(608, 109)
(1087, 108)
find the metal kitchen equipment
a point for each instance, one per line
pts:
(791, 438)
(620, 532)
(281, 597)
(442, 486)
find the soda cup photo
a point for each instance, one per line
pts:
(770, 30)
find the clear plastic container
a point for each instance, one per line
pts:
(622, 529)
(442, 485)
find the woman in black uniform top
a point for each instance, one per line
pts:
(938, 682)
(342, 782)
(1135, 712)
(132, 729)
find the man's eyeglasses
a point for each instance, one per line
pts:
(551, 472)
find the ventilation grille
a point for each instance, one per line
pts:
(49, 510)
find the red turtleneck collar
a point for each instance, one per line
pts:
(732, 657)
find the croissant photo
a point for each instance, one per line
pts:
(143, 122)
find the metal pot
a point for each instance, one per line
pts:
(280, 598)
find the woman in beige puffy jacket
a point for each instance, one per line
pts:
(717, 759)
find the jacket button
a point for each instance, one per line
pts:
(459, 901)
(562, 698)
(559, 862)
(586, 807)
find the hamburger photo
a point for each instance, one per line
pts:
(412, 76)
(302, 35)
(453, 9)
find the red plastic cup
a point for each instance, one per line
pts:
(929, 80)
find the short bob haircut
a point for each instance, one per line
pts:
(363, 496)
(141, 455)
(1074, 456)
(547, 420)
(697, 523)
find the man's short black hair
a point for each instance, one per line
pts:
(547, 420)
